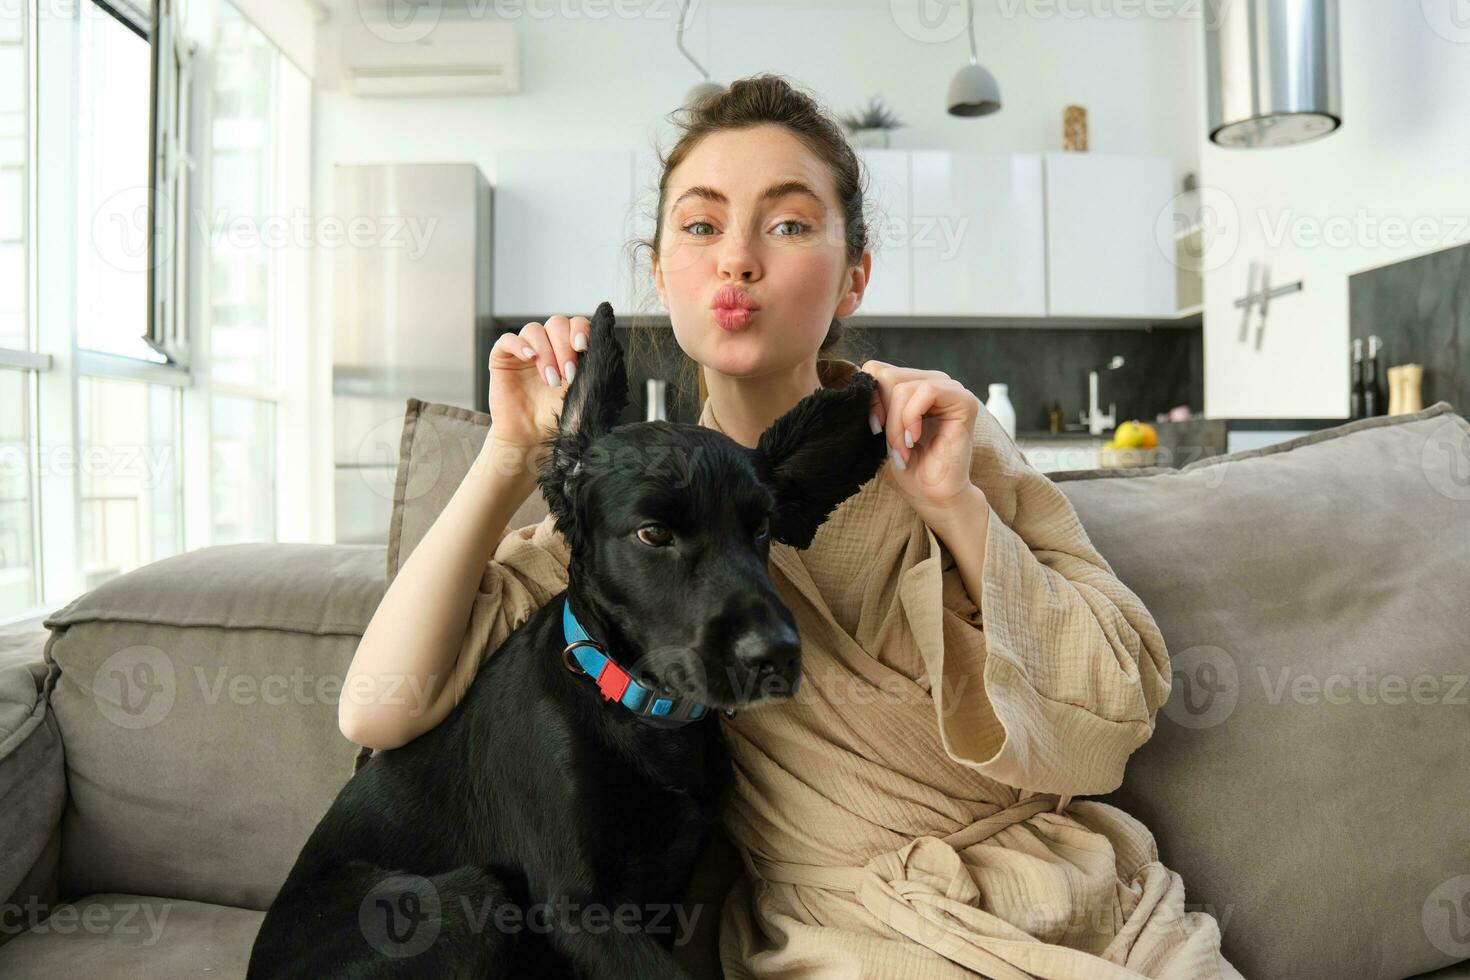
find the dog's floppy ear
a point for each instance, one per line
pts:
(817, 455)
(593, 405)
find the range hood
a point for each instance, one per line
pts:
(1273, 70)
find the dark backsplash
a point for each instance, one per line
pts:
(1163, 364)
(1420, 310)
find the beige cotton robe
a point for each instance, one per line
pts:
(908, 813)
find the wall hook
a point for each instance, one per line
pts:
(1258, 291)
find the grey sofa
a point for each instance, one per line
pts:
(169, 740)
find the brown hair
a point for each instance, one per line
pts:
(748, 102)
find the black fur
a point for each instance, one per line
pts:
(534, 792)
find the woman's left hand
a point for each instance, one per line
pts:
(937, 414)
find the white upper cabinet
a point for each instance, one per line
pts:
(954, 233)
(561, 230)
(976, 234)
(1104, 257)
(890, 291)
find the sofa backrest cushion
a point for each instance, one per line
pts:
(1307, 775)
(438, 446)
(197, 702)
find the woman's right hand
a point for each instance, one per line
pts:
(529, 372)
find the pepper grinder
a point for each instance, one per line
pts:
(1405, 388)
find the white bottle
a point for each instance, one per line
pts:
(999, 405)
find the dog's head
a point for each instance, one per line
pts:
(669, 526)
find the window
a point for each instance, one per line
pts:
(254, 96)
(241, 198)
(114, 451)
(14, 94)
(112, 186)
(17, 548)
(131, 506)
(18, 366)
(130, 479)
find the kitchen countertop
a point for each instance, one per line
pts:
(1044, 435)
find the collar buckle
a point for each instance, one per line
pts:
(569, 659)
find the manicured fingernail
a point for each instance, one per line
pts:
(570, 370)
(873, 423)
(551, 376)
(527, 352)
(580, 341)
(897, 459)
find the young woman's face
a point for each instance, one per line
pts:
(787, 252)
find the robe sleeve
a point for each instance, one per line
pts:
(528, 568)
(1072, 668)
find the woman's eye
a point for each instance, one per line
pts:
(655, 535)
(693, 224)
(792, 221)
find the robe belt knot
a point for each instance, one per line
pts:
(924, 890)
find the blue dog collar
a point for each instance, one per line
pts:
(616, 684)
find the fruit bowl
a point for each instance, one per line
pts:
(1111, 457)
(1134, 443)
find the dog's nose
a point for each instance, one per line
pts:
(770, 652)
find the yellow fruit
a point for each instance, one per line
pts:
(1129, 435)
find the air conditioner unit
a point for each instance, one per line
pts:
(429, 57)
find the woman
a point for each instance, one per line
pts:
(969, 660)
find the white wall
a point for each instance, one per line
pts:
(610, 81)
(1393, 182)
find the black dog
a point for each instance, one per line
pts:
(549, 823)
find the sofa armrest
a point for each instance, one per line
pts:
(197, 699)
(32, 779)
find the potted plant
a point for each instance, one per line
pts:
(872, 125)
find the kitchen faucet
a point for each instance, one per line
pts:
(1093, 417)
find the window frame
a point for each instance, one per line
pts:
(55, 365)
(171, 158)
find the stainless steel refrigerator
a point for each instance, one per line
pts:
(411, 279)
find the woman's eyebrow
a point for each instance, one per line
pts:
(776, 190)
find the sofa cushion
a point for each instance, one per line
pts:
(439, 445)
(1306, 776)
(197, 701)
(133, 937)
(32, 774)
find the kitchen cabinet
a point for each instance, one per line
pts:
(977, 233)
(891, 290)
(956, 233)
(1051, 453)
(1104, 258)
(561, 222)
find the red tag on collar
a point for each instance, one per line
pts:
(613, 681)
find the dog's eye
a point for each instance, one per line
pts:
(655, 534)
(763, 532)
